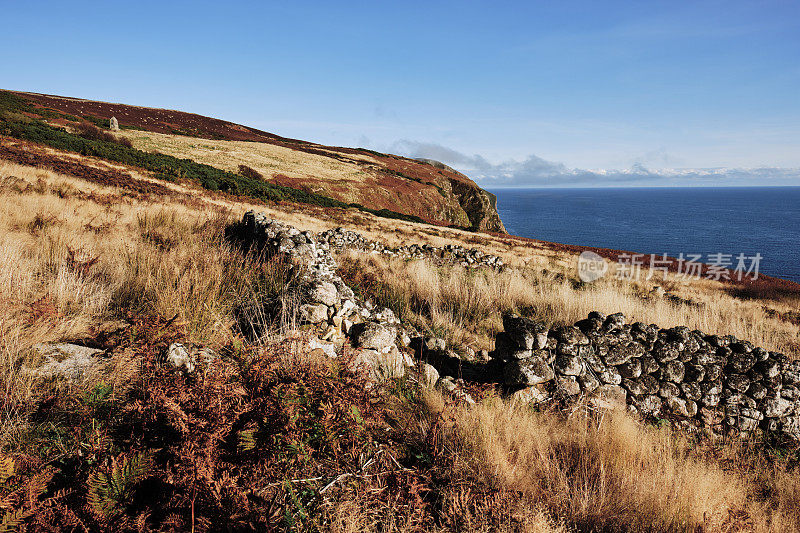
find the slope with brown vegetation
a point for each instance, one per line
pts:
(378, 181)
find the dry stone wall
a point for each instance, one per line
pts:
(723, 384)
(328, 304)
(340, 239)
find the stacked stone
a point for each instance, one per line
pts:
(327, 303)
(721, 383)
(341, 239)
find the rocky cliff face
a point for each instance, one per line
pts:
(479, 205)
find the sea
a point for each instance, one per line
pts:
(758, 225)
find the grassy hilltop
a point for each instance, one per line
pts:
(116, 242)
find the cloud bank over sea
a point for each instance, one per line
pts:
(534, 171)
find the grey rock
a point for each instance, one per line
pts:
(569, 365)
(776, 407)
(588, 382)
(379, 366)
(791, 374)
(648, 405)
(614, 322)
(324, 292)
(570, 335)
(631, 370)
(178, 356)
(428, 376)
(326, 348)
(668, 390)
(649, 365)
(751, 413)
(623, 353)
(446, 384)
(741, 362)
(710, 399)
(70, 362)
(635, 387)
(673, 371)
(610, 376)
(790, 426)
(567, 349)
(738, 382)
(376, 337)
(694, 373)
(713, 372)
(790, 393)
(747, 424)
(678, 406)
(526, 372)
(530, 395)
(692, 390)
(668, 351)
(313, 313)
(757, 391)
(608, 397)
(525, 333)
(568, 385)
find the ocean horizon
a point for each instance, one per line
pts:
(714, 222)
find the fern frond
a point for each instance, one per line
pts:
(109, 490)
(247, 440)
(7, 468)
(12, 520)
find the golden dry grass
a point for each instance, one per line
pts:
(162, 258)
(268, 159)
(612, 473)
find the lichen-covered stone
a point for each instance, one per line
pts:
(569, 365)
(526, 372)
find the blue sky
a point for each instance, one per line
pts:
(514, 93)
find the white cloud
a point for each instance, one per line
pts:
(537, 172)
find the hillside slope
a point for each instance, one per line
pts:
(432, 192)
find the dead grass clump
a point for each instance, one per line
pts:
(40, 222)
(607, 474)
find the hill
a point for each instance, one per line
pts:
(434, 193)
